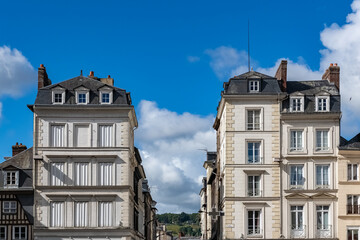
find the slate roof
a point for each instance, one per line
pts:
(238, 85)
(44, 96)
(352, 144)
(22, 160)
(310, 89)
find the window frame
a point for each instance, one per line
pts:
(77, 181)
(76, 205)
(11, 210)
(253, 185)
(112, 215)
(322, 212)
(16, 184)
(4, 227)
(106, 91)
(259, 234)
(254, 86)
(254, 141)
(77, 95)
(62, 224)
(357, 228)
(295, 149)
(19, 226)
(322, 185)
(297, 211)
(297, 186)
(322, 148)
(301, 99)
(113, 140)
(327, 103)
(260, 110)
(111, 164)
(355, 204)
(64, 172)
(58, 91)
(351, 178)
(51, 140)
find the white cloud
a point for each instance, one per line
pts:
(342, 46)
(0, 109)
(193, 59)
(169, 144)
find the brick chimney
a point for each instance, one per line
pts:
(332, 74)
(108, 80)
(43, 79)
(281, 74)
(16, 149)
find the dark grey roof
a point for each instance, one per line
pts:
(238, 85)
(310, 89)
(352, 144)
(44, 96)
(22, 160)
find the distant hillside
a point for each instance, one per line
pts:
(187, 224)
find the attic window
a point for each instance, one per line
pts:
(82, 96)
(322, 103)
(254, 86)
(106, 96)
(296, 104)
(11, 179)
(58, 96)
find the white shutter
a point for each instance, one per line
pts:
(57, 174)
(57, 214)
(81, 214)
(105, 175)
(81, 174)
(106, 136)
(82, 136)
(105, 214)
(58, 136)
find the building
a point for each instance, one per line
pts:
(88, 175)
(203, 209)
(349, 190)
(277, 156)
(17, 195)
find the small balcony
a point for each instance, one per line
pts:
(322, 186)
(298, 231)
(324, 231)
(254, 193)
(353, 209)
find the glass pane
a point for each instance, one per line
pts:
(355, 170)
(318, 175)
(349, 172)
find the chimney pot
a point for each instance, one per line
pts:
(109, 76)
(16, 149)
(331, 64)
(335, 64)
(91, 73)
(41, 65)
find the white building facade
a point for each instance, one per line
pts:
(87, 179)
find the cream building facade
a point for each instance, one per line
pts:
(87, 173)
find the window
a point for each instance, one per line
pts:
(105, 97)
(105, 174)
(9, 207)
(322, 176)
(353, 204)
(254, 86)
(322, 215)
(58, 97)
(81, 135)
(253, 120)
(254, 227)
(81, 174)
(296, 176)
(11, 179)
(105, 214)
(322, 140)
(81, 214)
(254, 152)
(322, 104)
(296, 217)
(353, 233)
(82, 98)
(106, 136)
(352, 172)
(2, 232)
(57, 136)
(19, 232)
(254, 186)
(296, 140)
(57, 214)
(296, 104)
(57, 174)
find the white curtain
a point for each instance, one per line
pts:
(81, 174)
(81, 214)
(57, 174)
(57, 214)
(105, 214)
(58, 136)
(106, 136)
(105, 176)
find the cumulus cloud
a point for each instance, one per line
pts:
(172, 146)
(342, 46)
(16, 73)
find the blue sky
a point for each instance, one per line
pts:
(173, 57)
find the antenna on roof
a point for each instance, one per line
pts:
(249, 44)
(81, 72)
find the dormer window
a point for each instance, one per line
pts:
(322, 103)
(296, 104)
(58, 95)
(11, 179)
(254, 86)
(106, 95)
(82, 95)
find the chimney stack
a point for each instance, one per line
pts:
(281, 74)
(43, 79)
(332, 74)
(108, 80)
(16, 149)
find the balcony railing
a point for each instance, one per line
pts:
(298, 231)
(353, 209)
(254, 193)
(322, 186)
(255, 160)
(299, 185)
(324, 231)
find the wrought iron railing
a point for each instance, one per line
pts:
(298, 231)
(324, 231)
(353, 209)
(254, 193)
